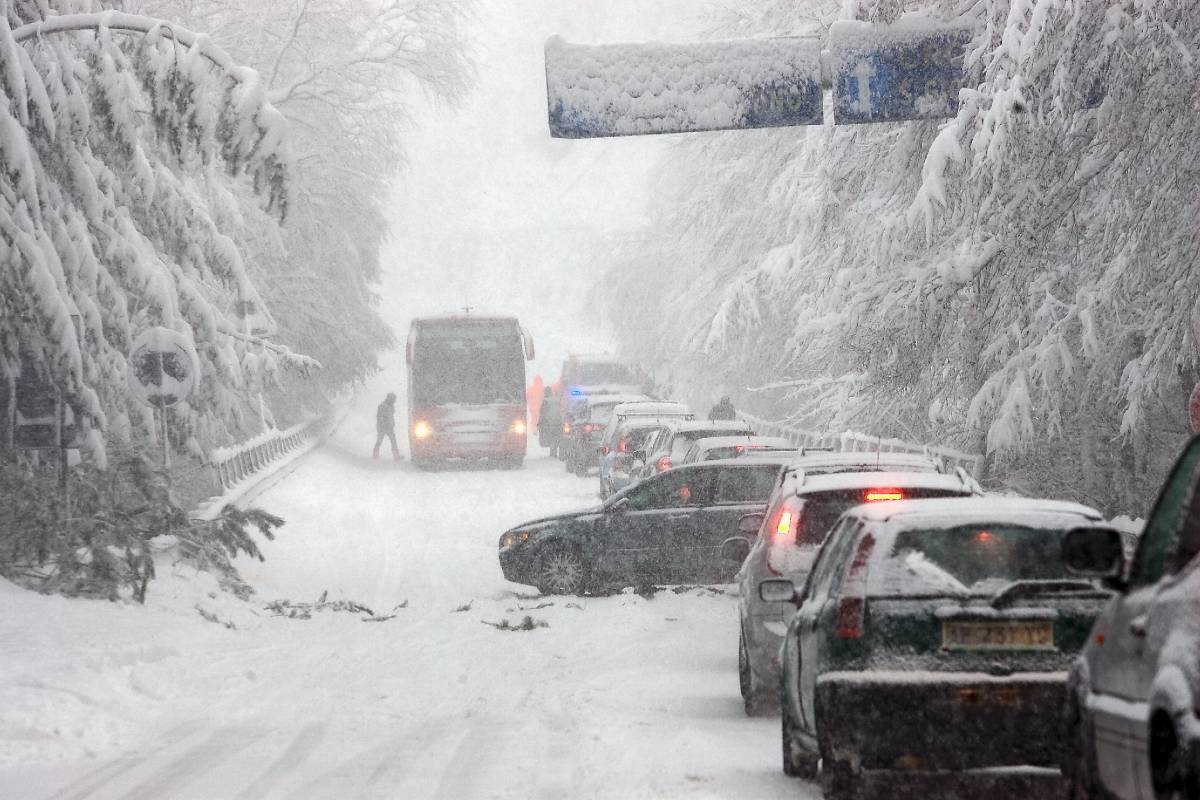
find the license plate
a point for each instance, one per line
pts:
(998, 635)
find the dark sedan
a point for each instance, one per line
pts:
(667, 529)
(931, 645)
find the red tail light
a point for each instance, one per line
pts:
(876, 495)
(623, 446)
(588, 428)
(852, 607)
(664, 463)
(850, 617)
(566, 427)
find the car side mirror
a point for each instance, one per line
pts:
(735, 549)
(777, 591)
(748, 524)
(618, 507)
(1095, 553)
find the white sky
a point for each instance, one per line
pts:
(494, 213)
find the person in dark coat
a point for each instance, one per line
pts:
(385, 425)
(549, 421)
(722, 410)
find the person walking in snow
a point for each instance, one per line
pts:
(549, 425)
(723, 410)
(385, 425)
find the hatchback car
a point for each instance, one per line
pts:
(667, 450)
(665, 530)
(812, 493)
(583, 432)
(712, 448)
(1133, 719)
(931, 644)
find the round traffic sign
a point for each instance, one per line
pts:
(162, 368)
(1194, 409)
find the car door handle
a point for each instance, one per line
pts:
(678, 517)
(1137, 626)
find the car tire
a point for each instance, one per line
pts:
(561, 570)
(795, 765)
(1169, 767)
(755, 701)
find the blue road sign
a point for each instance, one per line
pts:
(632, 89)
(886, 73)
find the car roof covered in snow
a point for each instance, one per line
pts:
(612, 399)
(773, 442)
(687, 426)
(824, 461)
(779, 460)
(650, 408)
(843, 481)
(953, 511)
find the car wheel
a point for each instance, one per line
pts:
(561, 571)
(1079, 768)
(1168, 761)
(838, 782)
(797, 762)
(755, 701)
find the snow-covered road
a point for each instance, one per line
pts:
(616, 697)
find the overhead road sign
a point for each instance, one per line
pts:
(649, 88)
(886, 73)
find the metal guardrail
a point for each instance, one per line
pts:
(852, 441)
(234, 464)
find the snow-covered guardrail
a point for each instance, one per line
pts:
(852, 441)
(237, 468)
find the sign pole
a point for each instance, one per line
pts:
(162, 410)
(64, 486)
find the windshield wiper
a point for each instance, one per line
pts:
(1020, 589)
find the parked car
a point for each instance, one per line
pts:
(812, 493)
(619, 463)
(667, 449)
(712, 448)
(667, 529)
(1133, 705)
(931, 643)
(582, 434)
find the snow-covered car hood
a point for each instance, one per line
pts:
(542, 522)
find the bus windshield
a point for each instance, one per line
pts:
(468, 363)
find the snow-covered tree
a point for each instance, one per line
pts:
(344, 74)
(1019, 279)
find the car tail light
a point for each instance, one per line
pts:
(566, 427)
(852, 607)
(623, 446)
(664, 464)
(877, 495)
(588, 428)
(783, 529)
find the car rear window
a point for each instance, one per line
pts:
(745, 484)
(822, 509)
(969, 559)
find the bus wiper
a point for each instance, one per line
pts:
(1020, 589)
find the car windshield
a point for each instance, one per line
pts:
(968, 559)
(598, 373)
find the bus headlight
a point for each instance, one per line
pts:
(519, 427)
(422, 429)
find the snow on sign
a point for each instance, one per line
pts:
(885, 73)
(162, 368)
(632, 89)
